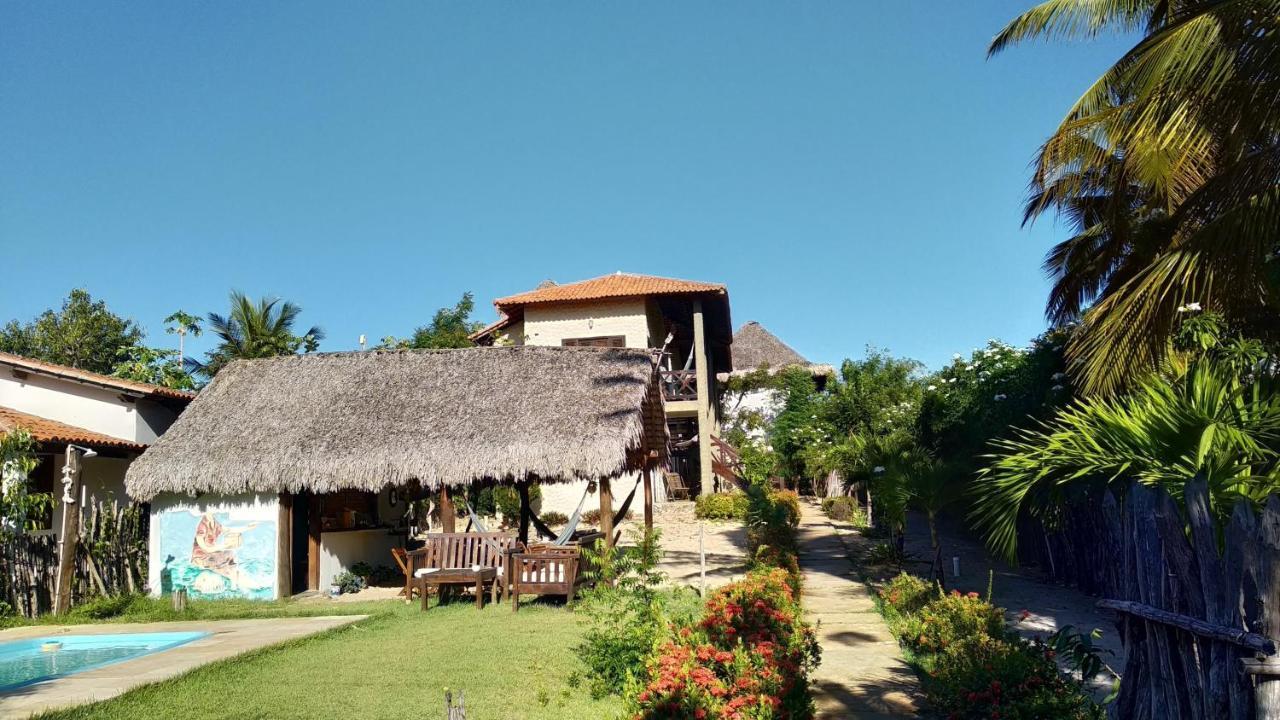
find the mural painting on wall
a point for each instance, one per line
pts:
(218, 554)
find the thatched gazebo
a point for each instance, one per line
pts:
(268, 437)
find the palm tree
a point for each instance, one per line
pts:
(183, 324)
(1215, 421)
(1168, 168)
(256, 330)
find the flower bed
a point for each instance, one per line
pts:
(747, 658)
(975, 666)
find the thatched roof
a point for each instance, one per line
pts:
(754, 348)
(364, 420)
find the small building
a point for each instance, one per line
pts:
(59, 405)
(756, 349)
(688, 319)
(287, 471)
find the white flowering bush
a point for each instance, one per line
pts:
(17, 504)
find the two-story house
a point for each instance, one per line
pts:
(689, 319)
(117, 419)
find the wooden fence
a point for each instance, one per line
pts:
(111, 559)
(1197, 601)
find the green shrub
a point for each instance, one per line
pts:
(951, 618)
(845, 509)
(551, 517)
(984, 677)
(883, 554)
(907, 594)
(722, 506)
(101, 608)
(788, 504)
(592, 517)
(349, 582)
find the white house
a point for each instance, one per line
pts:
(61, 405)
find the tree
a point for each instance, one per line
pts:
(182, 324)
(258, 329)
(84, 334)
(449, 328)
(154, 366)
(1168, 169)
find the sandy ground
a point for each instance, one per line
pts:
(725, 545)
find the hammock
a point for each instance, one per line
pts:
(567, 534)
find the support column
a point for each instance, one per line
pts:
(706, 476)
(69, 534)
(284, 547)
(526, 511)
(447, 515)
(606, 511)
(648, 496)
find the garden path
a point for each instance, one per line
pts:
(863, 675)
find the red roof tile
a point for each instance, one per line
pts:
(52, 431)
(617, 285)
(92, 378)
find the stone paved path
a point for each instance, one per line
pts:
(862, 675)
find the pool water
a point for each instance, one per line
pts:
(24, 662)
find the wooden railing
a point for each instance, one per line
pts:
(679, 384)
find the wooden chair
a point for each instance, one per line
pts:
(555, 570)
(676, 489)
(463, 550)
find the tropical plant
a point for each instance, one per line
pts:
(256, 329)
(83, 334)
(1168, 168)
(183, 324)
(449, 328)
(155, 366)
(1213, 421)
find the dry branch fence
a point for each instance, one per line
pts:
(1197, 601)
(111, 559)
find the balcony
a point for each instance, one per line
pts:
(679, 385)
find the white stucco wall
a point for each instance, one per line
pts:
(765, 402)
(339, 551)
(244, 509)
(564, 497)
(550, 325)
(85, 406)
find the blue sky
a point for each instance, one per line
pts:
(853, 171)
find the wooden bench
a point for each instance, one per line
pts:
(452, 551)
(676, 489)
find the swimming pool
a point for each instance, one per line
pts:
(24, 662)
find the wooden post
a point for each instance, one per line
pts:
(606, 512)
(648, 496)
(706, 474)
(69, 535)
(284, 547)
(526, 511)
(447, 515)
(1267, 687)
(314, 528)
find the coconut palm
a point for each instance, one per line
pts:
(1168, 167)
(1214, 421)
(256, 329)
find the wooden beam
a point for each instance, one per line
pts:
(69, 535)
(448, 517)
(1195, 626)
(648, 496)
(705, 421)
(284, 547)
(606, 511)
(526, 511)
(313, 542)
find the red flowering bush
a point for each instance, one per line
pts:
(1011, 678)
(748, 658)
(907, 594)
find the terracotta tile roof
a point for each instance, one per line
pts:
(92, 378)
(617, 285)
(52, 431)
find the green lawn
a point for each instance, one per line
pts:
(396, 664)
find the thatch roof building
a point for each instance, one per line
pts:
(365, 420)
(755, 347)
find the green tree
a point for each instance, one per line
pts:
(449, 328)
(1168, 170)
(256, 329)
(183, 324)
(83, 334)
(155, 366)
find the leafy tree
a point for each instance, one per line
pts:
(155, 366)
(183, 324)
(797, 425)
(449, 328)
(84, 334)
(1168, 170)
(258, 329)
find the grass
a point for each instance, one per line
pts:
(395, 664)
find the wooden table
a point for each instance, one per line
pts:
(460, 576)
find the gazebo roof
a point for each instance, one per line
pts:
(364, 420)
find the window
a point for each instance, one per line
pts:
(609, 341)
